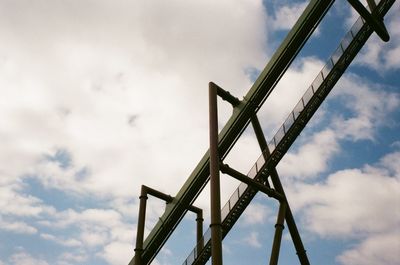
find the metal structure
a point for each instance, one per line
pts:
(244, 113)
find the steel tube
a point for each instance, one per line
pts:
(251, 182)
(199, 233)
(276, 245)
(140, 227)
(199, 227)
(216, 232)
(225, 95)
(157, 194)
(291, 224)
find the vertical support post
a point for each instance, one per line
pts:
(140, 227)
(291, 224)
(216, 232)
(199, 232)
(278, 234)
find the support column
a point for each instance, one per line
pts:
(199, 238)
(291, 224)
(140, 227)
(278, 234)
(216, 228)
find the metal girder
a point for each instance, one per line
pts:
(226, 169)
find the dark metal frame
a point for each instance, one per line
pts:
(254, 99)
(244, 113)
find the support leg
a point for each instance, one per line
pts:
(140, 227)
(294, 233)
(216, 228)
(278, 234)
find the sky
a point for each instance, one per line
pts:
(100, 97)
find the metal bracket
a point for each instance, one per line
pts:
(225, 95)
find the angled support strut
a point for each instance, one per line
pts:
(294, 233)
(226, 169)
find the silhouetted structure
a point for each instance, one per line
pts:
(244, 113)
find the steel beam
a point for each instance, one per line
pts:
(215, 190)
(294, 232)
(276, 245)
(225, 95)
(226, 169)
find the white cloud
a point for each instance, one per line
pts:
(378, 249)
(358, 204)
(17, 227)
(74, 258)
(379, 55)
(14, 202)
(95, 231)
(117, 253)
(390, 162)
(253, 240)
(71, 242)
(255, 213)
(93, 238)
(287, 15)
(350, 203)
(371, 106)
(310, 159)
(23, 258)
(94, 73)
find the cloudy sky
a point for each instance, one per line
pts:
(99, 97)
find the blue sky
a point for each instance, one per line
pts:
(98, 95)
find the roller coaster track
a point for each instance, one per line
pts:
(349, 47)
(246, 110)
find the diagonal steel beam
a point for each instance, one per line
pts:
(294, 232)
